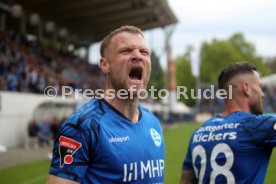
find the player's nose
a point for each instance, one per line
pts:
(136, 55)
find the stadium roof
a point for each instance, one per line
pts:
(90, 20)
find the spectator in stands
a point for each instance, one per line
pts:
(55, 127)
(29, 66)
(33, 128)
(12, 78)
(2, 67)
(44, 135)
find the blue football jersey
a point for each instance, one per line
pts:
(232, 149)
(97, 144)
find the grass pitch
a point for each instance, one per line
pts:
(176, 140)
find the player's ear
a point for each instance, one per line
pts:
(246, 88)
(104, 65)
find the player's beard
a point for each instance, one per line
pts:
(119, 84)
(256, 109)
(256, 105)
(116, 82)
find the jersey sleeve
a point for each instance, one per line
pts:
(72, 149)
(263, 130)
(188, 162)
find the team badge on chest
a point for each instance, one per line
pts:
(156, 137)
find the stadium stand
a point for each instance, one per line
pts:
(34, 53)
(29, 66)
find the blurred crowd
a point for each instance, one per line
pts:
(270, 99)
(30, 66)
(207, 105)
(216, 105)
(44, 130)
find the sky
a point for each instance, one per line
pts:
(201, 20)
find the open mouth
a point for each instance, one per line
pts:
(135, 74)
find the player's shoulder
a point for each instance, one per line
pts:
(144, 109)
(91, 108)
(240, 116)
(85, 115)
(146, 112)
(252, 120)
(256, 118)
(235, 117)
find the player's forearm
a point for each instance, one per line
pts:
(57, 180)
(188, 177)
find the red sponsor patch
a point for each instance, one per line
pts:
(67, 147)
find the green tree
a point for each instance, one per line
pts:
(184, 76)
(220, 53)
(271, 63)
(247, 52)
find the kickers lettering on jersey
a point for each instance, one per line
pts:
(139, 170)
(67, 148)
(214, 137)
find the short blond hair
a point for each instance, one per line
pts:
(107, 39)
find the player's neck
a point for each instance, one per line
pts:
(235, 107)
(129, 108)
